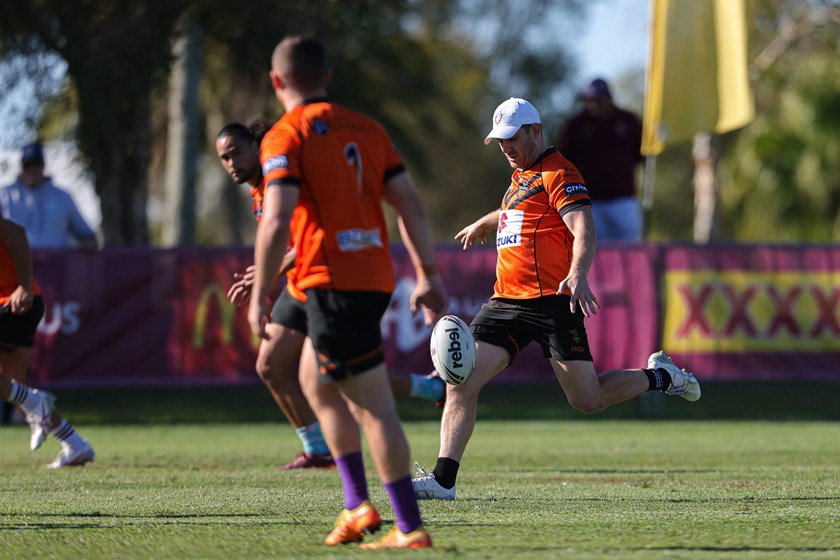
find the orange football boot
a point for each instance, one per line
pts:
(352, 524)
(418, 538)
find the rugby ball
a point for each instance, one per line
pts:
(453, 349)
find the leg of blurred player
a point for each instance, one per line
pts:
(38, 407)
(277, 366)
(364, 402)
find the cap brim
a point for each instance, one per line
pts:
(502, 132)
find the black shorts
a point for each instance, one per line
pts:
(289, 312)
(512, 324)
(345, 332)
(19, 330)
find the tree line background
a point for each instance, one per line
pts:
(149, 83)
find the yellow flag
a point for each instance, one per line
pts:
(697, 71)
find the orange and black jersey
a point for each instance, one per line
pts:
(340, 160)
(257, 194)
(533, 243)
(9, 277)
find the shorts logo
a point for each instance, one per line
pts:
(510, 229)
(358, 239)
(277, 162)
(575, 188)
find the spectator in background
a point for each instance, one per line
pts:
(47, 213)
(604, 143)
(21, 308)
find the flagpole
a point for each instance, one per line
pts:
(647, 193)
(647, 189)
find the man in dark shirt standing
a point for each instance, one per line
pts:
(604, 142)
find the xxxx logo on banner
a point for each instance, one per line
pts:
(737, 311)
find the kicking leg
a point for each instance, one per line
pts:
(589, 392)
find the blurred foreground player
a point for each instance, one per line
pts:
(327, 172)
(21, 309)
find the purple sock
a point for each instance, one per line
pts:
(352, 470)
(404, 501)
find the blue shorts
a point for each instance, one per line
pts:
(549, 321)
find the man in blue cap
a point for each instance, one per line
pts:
(47, 213)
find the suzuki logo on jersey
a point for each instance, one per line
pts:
(510, 229)
(575, 188)
(277, 162)
(358, 239)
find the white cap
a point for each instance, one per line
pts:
(509, 118)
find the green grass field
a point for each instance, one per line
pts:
(195, 478)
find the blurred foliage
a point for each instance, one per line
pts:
(417, 66)
(116, 53)
(783, 171)
(780, 175)
(431, 71)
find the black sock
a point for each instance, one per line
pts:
(446, 470)
(658, 378)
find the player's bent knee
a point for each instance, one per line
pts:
(264, 371)
(587, 405)
(467, 391)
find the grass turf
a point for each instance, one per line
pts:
(170, 483)
(721, 401)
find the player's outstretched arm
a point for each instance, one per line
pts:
(269, 249)
(241, 288)
(582, 226)
(429, 294)
(244, 281)
(478, 230)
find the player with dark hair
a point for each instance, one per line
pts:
(237, 146)
(21, 309)
(546, 244)
(327, 171)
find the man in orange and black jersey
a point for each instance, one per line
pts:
(238, 148)
(546, 243)
(327, 171)
(21, 309)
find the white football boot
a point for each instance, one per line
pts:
(39, 417)
(72, 456)
(683, 383)
(427, 488)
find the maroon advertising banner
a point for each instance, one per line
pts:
(757, 313)
(140, 317)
